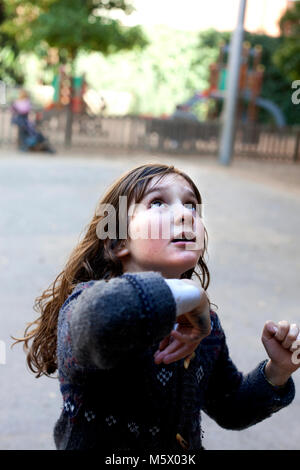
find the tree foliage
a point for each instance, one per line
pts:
(10, 67)
(175, 65)
(287, 56)
(70, 26)
(157, 77)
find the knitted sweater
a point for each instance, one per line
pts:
(115, 398)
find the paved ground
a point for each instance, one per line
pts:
(252, 215)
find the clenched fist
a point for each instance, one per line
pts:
(281, 342)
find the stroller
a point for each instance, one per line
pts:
(29, 137)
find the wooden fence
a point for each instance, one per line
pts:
(158, 135)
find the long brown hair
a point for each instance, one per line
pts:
(93, 258)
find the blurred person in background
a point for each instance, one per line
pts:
(28, 138)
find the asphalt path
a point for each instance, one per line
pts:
(251, 211)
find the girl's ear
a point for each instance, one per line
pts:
(121, 250)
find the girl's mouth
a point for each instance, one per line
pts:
(184, 238)
(176, 242)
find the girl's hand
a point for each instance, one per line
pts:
(172, 350)
(181, 343)
(278, 340)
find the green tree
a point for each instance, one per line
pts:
(287, 56)
(10, 67)
(175, 65)
(158, 77)
(276, 85)
(70, 26)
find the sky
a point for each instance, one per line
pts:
(195, 15)
(179, 14)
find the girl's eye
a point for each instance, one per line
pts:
(156, 201)
(191, 205)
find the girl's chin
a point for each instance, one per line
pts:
(181, 264)
(185, 251)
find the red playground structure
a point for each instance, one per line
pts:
(250, 85)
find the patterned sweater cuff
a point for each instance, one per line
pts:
(281, 396)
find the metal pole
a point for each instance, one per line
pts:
(228, 124)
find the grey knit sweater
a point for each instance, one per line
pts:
(115, 398)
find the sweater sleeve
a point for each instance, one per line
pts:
(107, 320)
(237, 401)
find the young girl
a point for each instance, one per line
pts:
(138, 349)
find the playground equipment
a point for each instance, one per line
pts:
(62, 84)
(250, 84)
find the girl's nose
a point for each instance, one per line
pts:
(183, 215)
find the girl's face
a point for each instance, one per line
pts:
(167, 212)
